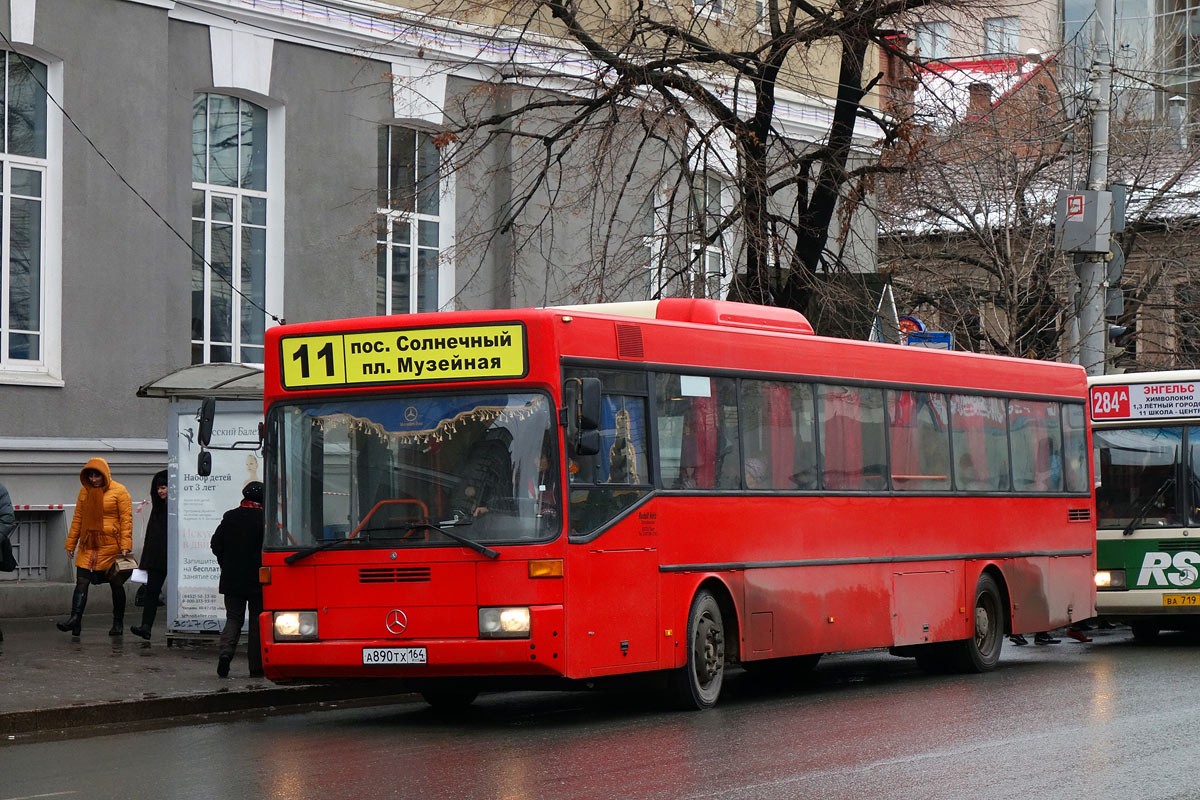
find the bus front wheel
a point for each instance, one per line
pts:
(981, 652)
(697, 684)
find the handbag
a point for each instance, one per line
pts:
(121, 569)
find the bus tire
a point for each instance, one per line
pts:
(696, 685)
(1144, 632)
(981, 652)
(449, 700)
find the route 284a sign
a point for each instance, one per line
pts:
(1145, 400)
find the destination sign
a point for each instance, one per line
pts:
(403, 355)
(1146, 400)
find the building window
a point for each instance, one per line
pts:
(1000, 36)
(229, 229)
(409, 222)
(933, 40)
(23, 214)
(709, 196)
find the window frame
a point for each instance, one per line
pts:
(998, 33)
(389, 220)
(202, 347)
(935, 32)
(46, 368)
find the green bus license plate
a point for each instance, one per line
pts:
(1181, 600)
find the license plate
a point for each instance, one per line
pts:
(388, 656)
(1181, 600)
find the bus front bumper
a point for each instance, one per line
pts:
(1147, 603)
(541, 654)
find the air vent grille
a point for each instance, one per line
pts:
(629, 341)
(393, 575)
(1079, 514)
(1175, 546)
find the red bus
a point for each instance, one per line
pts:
(471, 501)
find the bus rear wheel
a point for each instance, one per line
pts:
(697, 684)
(981, 652)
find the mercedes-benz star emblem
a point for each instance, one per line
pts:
(410, 414)
(395, 621)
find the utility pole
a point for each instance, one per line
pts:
(1092, 268)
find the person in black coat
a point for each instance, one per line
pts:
(8, 524)
(154, 554)
(237, 544)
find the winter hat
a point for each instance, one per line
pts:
(253, 491)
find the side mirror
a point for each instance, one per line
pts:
(588, 443)
(204, 464)
(589, 404)
(208, 410)
(583, 411)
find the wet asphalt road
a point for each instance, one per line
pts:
(1110, 720)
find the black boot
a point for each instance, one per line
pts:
(78, 603)
(118, 596)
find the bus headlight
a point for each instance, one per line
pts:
(504, 623)
(1110, 579)
(295, 626)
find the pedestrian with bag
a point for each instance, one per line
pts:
(237, 544)
(8, 523)
(154, 554)
(101, 533)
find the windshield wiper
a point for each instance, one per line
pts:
(294, 557)
(1145, 509)
(441, 527)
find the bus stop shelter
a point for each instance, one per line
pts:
(196, 504)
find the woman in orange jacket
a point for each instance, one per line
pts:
(101, 530)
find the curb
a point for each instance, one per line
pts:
(45, 720)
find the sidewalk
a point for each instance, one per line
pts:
(51, 681)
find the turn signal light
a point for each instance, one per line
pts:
(546, 568)
(264, 575)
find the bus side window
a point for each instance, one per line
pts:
(852, 437)
(980, 442)
(777, 435)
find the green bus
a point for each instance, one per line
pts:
(1146, 445)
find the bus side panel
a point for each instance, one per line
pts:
(1047, 592)
(612, 602)
(797, 610)
(926, 606)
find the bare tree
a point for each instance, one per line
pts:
(969, 238)
(651, 131)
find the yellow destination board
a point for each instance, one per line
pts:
(403, 355)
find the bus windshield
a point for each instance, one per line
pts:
(1137, 470)
(389, 471)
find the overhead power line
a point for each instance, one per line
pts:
(191, 248)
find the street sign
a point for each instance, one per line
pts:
(934, 340)
(1083, 221)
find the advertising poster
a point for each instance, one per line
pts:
(196, 505)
